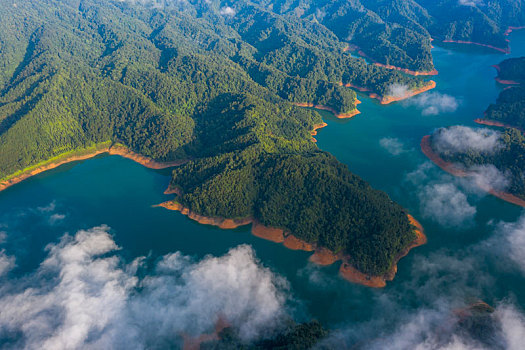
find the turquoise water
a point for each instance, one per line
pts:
(120, 193)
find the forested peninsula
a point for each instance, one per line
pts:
(507, 157)
(213, 85)
(398, 34)
(509, 109)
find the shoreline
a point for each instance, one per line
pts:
(389, 99)
(408, 71)
(194, 343)
(440, 162)
(205, 220)
(488, 122)
(321, 256)
(505, 50)
(330, 109)
(111, 150)
(452, 169)
(351, 274)
(506, 82)
(415, 73)
(503, 81)
(510, 29)
(317, 127)
(384, 100)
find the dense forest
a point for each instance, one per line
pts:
(294, 337)
(399, 32)
(512, 69)
(508, 158)
(206, 82)
(509, 108)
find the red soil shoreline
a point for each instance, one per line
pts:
(330, 109)
(389, 66)
(506, 82)
(511, 29)
(451, 168)
(112, 150)
(503, 81)
(440, 162)
(408, 71)
(489, 122)
(384, 100)
(314, 131)
(194, 343)
(351, 274)
(505, 50)
(321, 256)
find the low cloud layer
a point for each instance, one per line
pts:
(488, 177)
(446, 204)
(392, 145)
(227, 11)
(84, 296)
(471, 3)
(509, 244)
(446, 283)
(434, 103)
(462, 139)
(438, 329)
(442, 198)
(397, 90)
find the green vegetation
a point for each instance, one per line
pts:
(512, 69)
(509, 108)
(509, 159)
(399, 32)
(188, 80)
(61, 157)
(295, 337)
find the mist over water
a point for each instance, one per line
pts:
(474, 251)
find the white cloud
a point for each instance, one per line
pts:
(434, 103)
(393, 145)
(509, 243)
(6, 263)
(462, 139)
(446, 204)
(320, 14)
(397, 90)
(513, 326)
(53, 219)
(471, 3)
(48, 208)
(227, 11)
(439, 329)
(489, 177)
(442, 197)
(85, 296)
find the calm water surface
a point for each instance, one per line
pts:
(120, 193)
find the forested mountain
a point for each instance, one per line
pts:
(509, 109)
(512, 69)
(204, 81)
(399, 32)
(216, 82)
